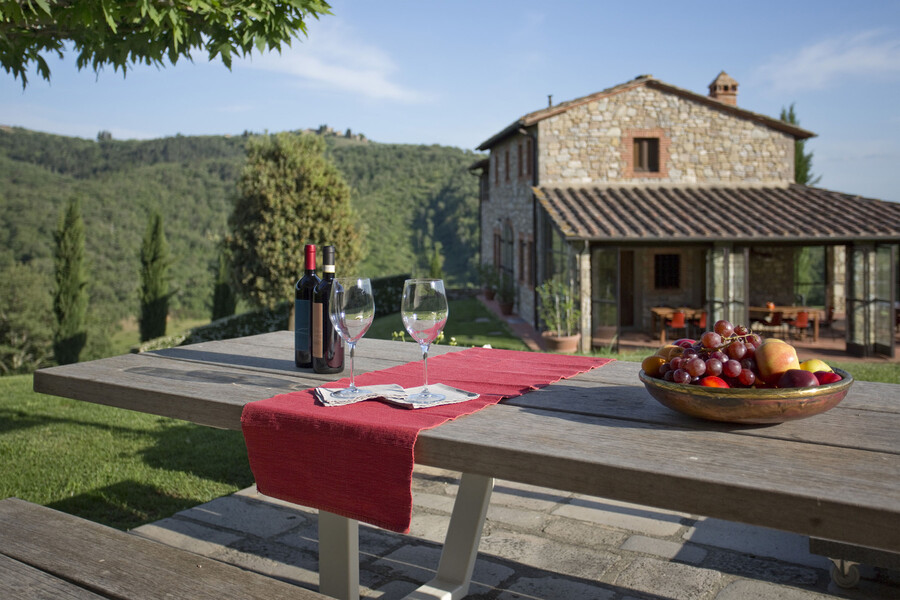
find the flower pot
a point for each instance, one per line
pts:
(506, 308)
(489, 293)
(566, 344)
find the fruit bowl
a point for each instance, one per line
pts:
(748, 405)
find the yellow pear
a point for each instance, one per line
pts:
(670, 351)
(814, 364)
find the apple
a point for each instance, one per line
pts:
(797, 378)
(774, 357)
(713, 381)
(826, 377)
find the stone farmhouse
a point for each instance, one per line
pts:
(646, 194)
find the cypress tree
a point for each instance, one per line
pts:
(224, 300)
(154, 293)
(70, 296)
(802, 159)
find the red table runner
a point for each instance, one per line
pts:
(357, 460)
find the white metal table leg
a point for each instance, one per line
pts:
(338, 556)
(461, 545)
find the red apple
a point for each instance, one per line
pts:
(797, 378)
(713, 381)
(684, 342)
(826, 377)
(773, 358)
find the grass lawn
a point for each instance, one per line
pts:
(109, 465)
(883, 372)
(129, 335)
(470, 324)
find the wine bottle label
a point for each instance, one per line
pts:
(318, 330)
(301, 325)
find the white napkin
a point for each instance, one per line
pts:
(396, 395)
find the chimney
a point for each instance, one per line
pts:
(724, 89)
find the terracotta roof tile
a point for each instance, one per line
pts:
(656, 213)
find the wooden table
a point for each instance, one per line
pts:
(835, 476)
(661, 313)
(759, 313)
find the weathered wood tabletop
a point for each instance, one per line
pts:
(834, 476)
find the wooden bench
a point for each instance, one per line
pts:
(45, 553)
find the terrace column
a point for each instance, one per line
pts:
(583, 264)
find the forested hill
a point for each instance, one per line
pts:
(407, 197)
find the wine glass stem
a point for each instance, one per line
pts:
(352, 346)
(425, 358)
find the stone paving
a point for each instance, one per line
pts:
(537, 543)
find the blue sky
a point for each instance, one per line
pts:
(454, 73)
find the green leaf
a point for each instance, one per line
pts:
(44, 5)
(107, 14)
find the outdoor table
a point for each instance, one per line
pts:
(787, 312)
(835, 476)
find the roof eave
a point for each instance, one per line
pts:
(778, 240)
(504, 133)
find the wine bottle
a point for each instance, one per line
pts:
(327, 347)
(303, 301)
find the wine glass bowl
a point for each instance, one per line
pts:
(424, 310)
(351, 309)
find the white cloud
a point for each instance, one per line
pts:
(334, 57)
(819, 65)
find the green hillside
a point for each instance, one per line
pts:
(406, 196)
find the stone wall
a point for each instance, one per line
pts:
(836, 291)
(699, 144)
(510, 201)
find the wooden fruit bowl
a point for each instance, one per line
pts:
(748, 405)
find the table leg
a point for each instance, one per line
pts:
(338, 556)
(461, 545)
(816, 326)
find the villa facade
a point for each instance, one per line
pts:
(646, 194)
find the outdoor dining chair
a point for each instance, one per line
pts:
(698, 325)
(676, 323)
(798, 326)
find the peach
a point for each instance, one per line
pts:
(651, 365)
(713, 381)
(773, 358)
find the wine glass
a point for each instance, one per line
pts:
(351, 308)
(424, 310)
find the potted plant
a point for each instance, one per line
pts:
(558, 310)
(488, 280)
(506, 293)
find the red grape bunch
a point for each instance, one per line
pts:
(722, 357)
